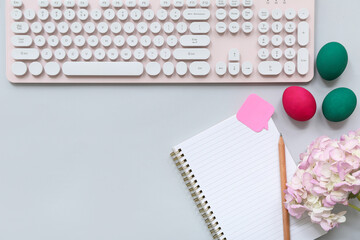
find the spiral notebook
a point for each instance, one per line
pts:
(233, 176)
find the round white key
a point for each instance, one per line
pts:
(113, 54)
(161, 14)
(29, 14)
(19, 68)
(119, 41)
(247, 68)
(220, 14)
(43, 14)
(263, 53)
(221, 3)
(69, 14)
(83, 14)
(303, 14)
(130, 3)
(290, 40)
(221, 68)
(106, 41)
(46, 54)
(145, 41)
(16, 14)
(73, 54)
(39, 41)
(205, 3)
(53, 41)
(168, 27)
(289, 68)
(83, 3)
(142, 27)
(158, 41)
(234, 68)
(175, 14)
(165, 54)
(125, 54)
(144, 3)
(56, 3)
(234, 14)
(102, 27)
(129, 27)
(276, 53)
(69, 3)
(181, 27)
(93, 41)
(181, 68)
(66, 41)
(290, 53)
(35, 68)
(76, 27)
(277, 14)
(122, 14)
(152, 54)
(234, 3)
(79, 41)
(263, 14)
(96, 14)
(115, 27)
(248, 3)
(132, 41)
(117, 3)
(247, 27)
(168, 68)
(60, 54)
(104, 3)
(290, 14)
(171, 41)
(263, 27)
(263, 40)
(16, 3)
(135, 14)
(290, 27)
(109, 14)
(191, 3)
(36, 27)
(220, 27)
(56, 14)
(43, 3)
(276, 40)
(139, 54)
(165, 3)
(99, 54)
(52, 68)
(277, 27)
(86, 54)
(63, 27)
(89, 27)
(153, 68)
(247, 14)
(155, 27)
(234, 27)
(149, 14)
(49, 27)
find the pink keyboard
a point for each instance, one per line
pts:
(160, 41)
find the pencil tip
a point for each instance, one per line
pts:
(280, 134)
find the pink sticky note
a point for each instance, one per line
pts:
(255, 113)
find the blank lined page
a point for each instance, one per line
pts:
(238, 172)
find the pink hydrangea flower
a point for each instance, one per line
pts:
(327, 174)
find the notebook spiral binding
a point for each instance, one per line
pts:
(197, 194)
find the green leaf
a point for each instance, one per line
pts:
(352, 196)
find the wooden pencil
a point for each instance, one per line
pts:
(282, 162)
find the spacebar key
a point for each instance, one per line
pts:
(103, 69)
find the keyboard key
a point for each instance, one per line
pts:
(43, 3)
(247, 27)
(303, 34)
(221, 68)
(66, 41)
(172, 41)
(289, 68)
(195, 41)
(247, 14)
(205, 3)
(36, 27)
(263, 54)
(73, 54)
(234, 68)
(168, 27)
(60, 54)
(36, 68)
(29, 14)
(144, 3)
(130, 3)
(152, 54)
(178, 3)
(247, 68)
(290, 27)
(191, 54)
(16, 14)
(199, 68)
(276, 40)
(191, 3)
(221, 3)
(69, 14)
(234, 27)
(139, 54)
(19, 68)
(248, 3)
(220, 14)
(43, 14)
(276, 27)
(181, 68)
(63, 27)
(69, 3)
(56, 3)
(103, 69)
(149, 14)
(290, 40)
(142, 27)
(153, 68)
(165, 3)
(99, 54)
(303, 61)
(104, 3)
(56, 14)
(263, 27)
(52, 68)
(20, 27)
(25, 54)
(234, 55)
(270, 68)
(89, 27)
(135, 14)
(83, 3)
(181, 27)
(16, 3)
(199, 27)
(93, 41)
(263, 14)
(234, 3)
(119, 41)
(103, 27)
(155, 27)
(46, 54)
(79, 41)
(21, 41)
(96, 14)
(290, 53)
(220, 27)
(165, 54)
(276, 53)
(86, 54)
(263, 40)
(76, 27)
(290, 14)
(175, 14)
(303, 14)
(234, 14)
(49, 27)
(106, 40)
(53, 41)
(196, 14)
(168, 68)
(122, 14)
(39, 41)
(113, 54)
(277, 14)
(145, 41)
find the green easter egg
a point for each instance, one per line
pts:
(332, 61)
(339, 104)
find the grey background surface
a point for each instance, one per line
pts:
(92, 161)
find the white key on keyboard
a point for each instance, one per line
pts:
(39, 41)
(199, 27)
(220, 3)
(168, 27)
(270, 68)
(79, 41)
(73, 54)
(234, 55)
(53, 41)
(290, 14)
(152, 54)
(104, 3)
(303, 61)
(144, 3)
(93, 41)
(69, 3)
(199, 68)
(234, 3)
(119, 3)
(276, 27)
(20, 27)
(76, 27)
(155, 27)
(276, 40)
(139, 54)
(247, 27)
(234, 27)
(277, 14)
(303, 14)
(56, 3)
(289, 68)
(96, 14)
(130, 3)
(263, 53)
(290, 53)
(263, 14)
(86, 54)
(303, 34)
(21, 41)
(99, 54)
(263, 27)
(205, 3)
(276, 53)
(165, 3)
(119, 41)
(25, 54)
(107, 40)
(181, 27)
(19, 68)
(84, 14)
(178, 3)
(104, 28)
(158, 41)
(29, 14)
(43, 3)
(89, 27)
(220, 14)
(149, 14)
(50, 27)
(122, 14)
(36, 27)
(16, 14)
(16, 3)
(181, 68)
(248, 3)
(172, 41)
(220, 27)
(247, 14)
(290, 40)
(234, 68)
(56, 14)
(165, 54)
(43, 14)
(69, 14)
(161, 14)
(175, 14)
(135, 14)
(221, 68)
(103, 69)
(191, 3)
(196, 14)
(234, 14)
(263, 40)
(145, 41)
(290, 27)
(153, 68)
(63, 27)
(66, 41)
(52, 68)
(60, 54)
(168, 68)
(113, 54)
(35, 68)
(142, 27)
(191, 54)
(83, 3)
(247, 68)
(194, 41)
